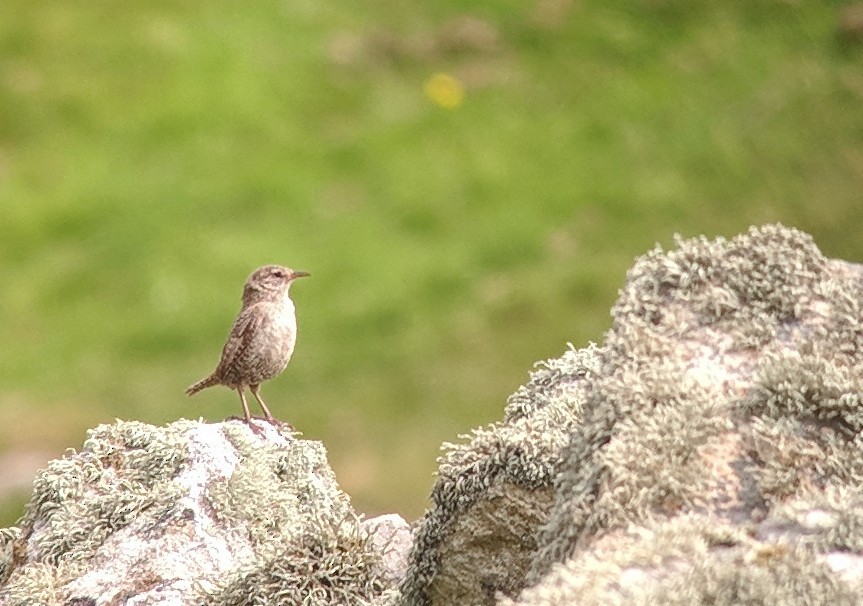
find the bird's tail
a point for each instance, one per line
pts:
(202, 384)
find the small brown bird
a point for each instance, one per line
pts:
(262, 338)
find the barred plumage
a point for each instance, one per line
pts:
(262, 338)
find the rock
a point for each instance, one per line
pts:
(495, 489)
(730, 396)
(709, 451)
(191, 513)
(391, 537)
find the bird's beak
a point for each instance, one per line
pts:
(299, 274)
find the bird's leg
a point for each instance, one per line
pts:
(255, 389)
(248, 415)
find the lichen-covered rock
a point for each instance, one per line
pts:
(495, 490)
(709, 451)
(688, 560)
(191, 513)
(719, 457)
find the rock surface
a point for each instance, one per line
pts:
(193, 513)
(494, 491)
(709, 451)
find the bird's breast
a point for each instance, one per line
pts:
(284, 326)
(286, 315)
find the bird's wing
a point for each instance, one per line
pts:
(245, 327)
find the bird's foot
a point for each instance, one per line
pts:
(280, 425)
(276, 422)
(256, 429)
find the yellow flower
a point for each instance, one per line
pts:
(445, 90)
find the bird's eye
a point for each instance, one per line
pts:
(279, 273)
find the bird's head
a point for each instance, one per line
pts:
(270, 280)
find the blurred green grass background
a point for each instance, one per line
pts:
(153, 154)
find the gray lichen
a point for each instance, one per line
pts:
(122, 474)
(190, 513)
(8, 538)
(552, 384)
(730, 390)
(332, 565)
(494, 490)
(293, 480)
(675, 365)
(308, 543)
(748, 286)
(710, 451)
(685, 560)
